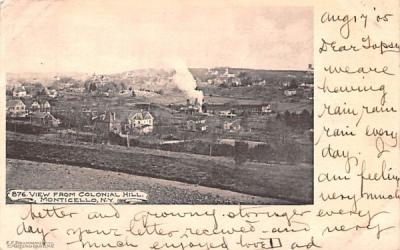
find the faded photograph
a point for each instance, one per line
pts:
(188, 104)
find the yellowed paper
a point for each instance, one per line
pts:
(339, 191)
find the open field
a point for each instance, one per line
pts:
(49, 176)
(267, 180)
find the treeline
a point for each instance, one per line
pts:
(114, 86)
(303, 120)
(288, 151)
(25, 127)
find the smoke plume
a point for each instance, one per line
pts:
(184, 81)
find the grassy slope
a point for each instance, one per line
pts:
(276, 181)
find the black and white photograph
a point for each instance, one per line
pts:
(189, 105)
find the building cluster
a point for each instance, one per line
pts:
(232, 126)
(37, 112)
(196, 124)
(233, 110)
(225, 78)
(33, 91)
(304, 89)
(138, 123)
(192, 107)
(19, 91)
(228, 115)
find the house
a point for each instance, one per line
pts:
(191, 108)
(235, 82)
(228, 74)
(233, 110)
(45, 106)
(114, 124)
(44, 119)
(266, 109)
(107, 122)
(16, 108)
(77, 89)
(141, 122)
(52, 93)
(232, 126)
(35, 106)
(285, 84)
(252, 108)
(226, 113)
(196, 125)
(19, 91)
(309, 85)
(125, 92)
(260, 83)
(290, 92)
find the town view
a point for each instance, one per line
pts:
(244, 130)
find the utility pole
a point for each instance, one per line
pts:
(127, 138)
(93, 130)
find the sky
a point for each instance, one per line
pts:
(108, 36)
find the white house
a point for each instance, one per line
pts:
(266, 109)
(44, 119)
(290, 92)
(19, 91)
(52, 93)
(35, 106)
(232, 126)
(196, 125)
(142, 121)
(226, 113)
(45, 106)
(16, 108)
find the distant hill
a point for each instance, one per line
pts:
(44, 78)
(147, 75)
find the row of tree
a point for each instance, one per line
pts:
(303, 120)
(289, 151)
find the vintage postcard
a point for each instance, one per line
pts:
(173, 103)
(279, 118)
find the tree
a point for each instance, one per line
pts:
(240, 152)
(311, 120)
(305, 119)
(123, 86)
(262, 153)
(287, 116)
(87, 85)
(92, 87)
(244, 122)
(293, 84)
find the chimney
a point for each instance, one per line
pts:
(187, 102)
(196, 101)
